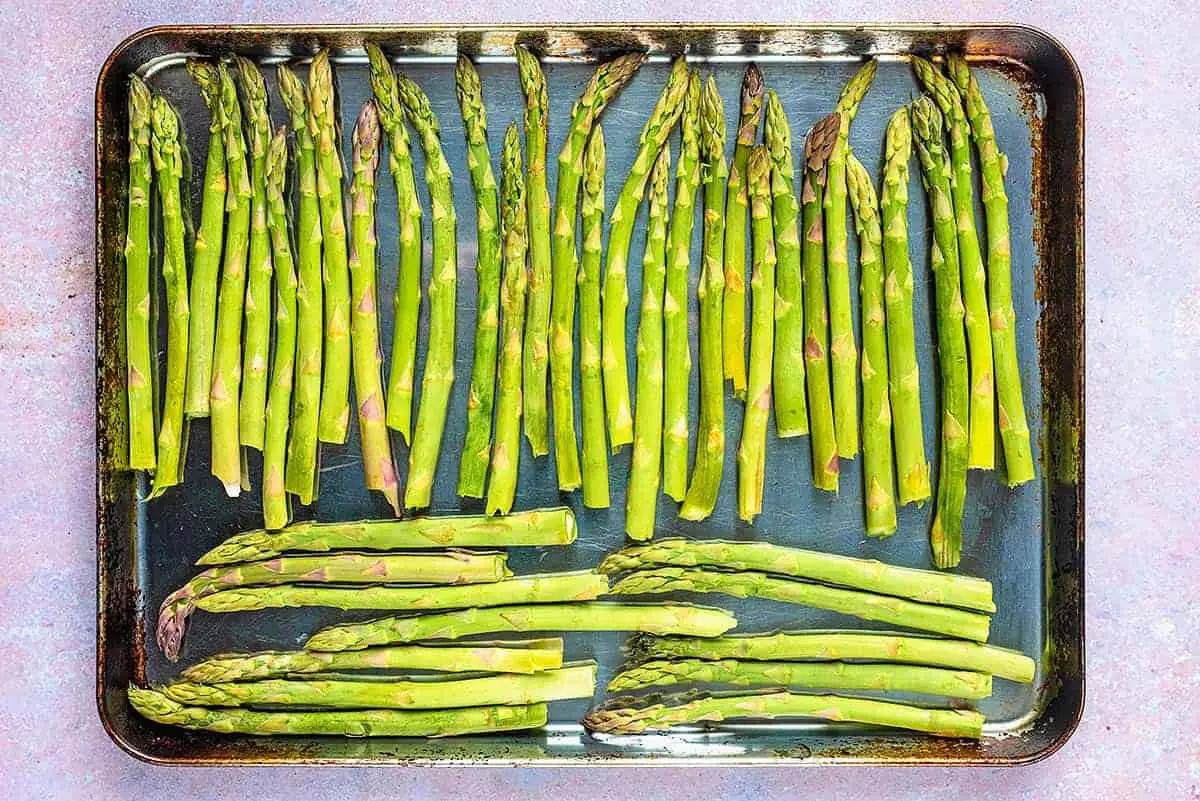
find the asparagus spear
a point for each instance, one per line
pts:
(206, 254)
(576, 681)
(591, 385)
(817, 148)
(736, 206)
(378, 468)
(927, 586)
(438, 377)
(813, 675)
(856, 645)
(710, 447)
(641, 498)
(620, 236)
(301, 470)
(865, 605)
(156, 706)
(506, 455)
(227, 349)
(531, 656)
(769, 706)
(842, 350)
(879, 497)
(406, 304)
(904, 376)
(477, 446)
(981, 441)
(1014, 430)
(699, 621)
(536, 355)
(945, 537)
(140, 386)
(276, 508)
(533, 528)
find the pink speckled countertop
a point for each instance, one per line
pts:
(1139, 735)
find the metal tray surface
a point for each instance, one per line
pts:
(1027, 541)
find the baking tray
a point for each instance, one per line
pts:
(1028, 541)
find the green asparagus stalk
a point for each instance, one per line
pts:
(698, 621)
(904, 376)
(506, 455)
(438, 377)
(156, 706)
(406, 304)
(791, 405)
(817, 148)
(945, 537)
(769, 706)
(206, 254)
(842, 349)
(865, 605)
(530, 656)
(477, 446)
(301, 470)
(811, 675)
(641, 497)
(926, 586)
(620, 236)
(534, 528)
(981, 440)
(140, 386)
(737, 207)
(591, 385)
(1014, 430)
(856, 645)
(710, 447)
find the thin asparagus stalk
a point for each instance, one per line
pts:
(533, 528)
(810, 675)
(156, 706)
(621, 224)
(698, 621)
(506, 455)
(641, 497)
(904, 376)
(864, 605)
(477, 445)
(842, 349)
(817, 148)
(1014, 430)
(206, 254)
(945, 537)
(981, 439)
(710, 448)
(769, 706)
(438, 377)
(737, 207)
(591, 385)
(140, 386)
(856, 645)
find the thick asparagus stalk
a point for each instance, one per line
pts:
(620, 237)
(641, 497)
(506, 455)
(533, 528)
(698, 621)
(737, 206)
(817, 148)
(1014, 430)
(945, 537)
(769, 706)
(904, 376)
(156, 706)
(927, 586)
(591, 384)
(140, 386)
(710, 447)
(865, 605)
